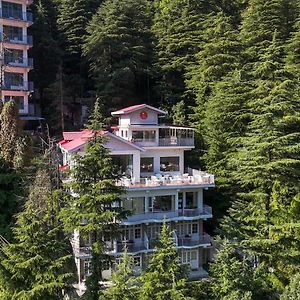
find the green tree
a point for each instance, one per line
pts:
(119, 48)
(231, 274)
(97, 201)
(178, 114)
(46, 51)
(9, 131)
(124, 285)
(164, 277)
(96, 120)
(37, 265)
(178, 28)
(10, 190)
(292, 291)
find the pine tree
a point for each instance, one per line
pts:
(178, 28)
(178, 114)
(164, 277)
(292, 291)
(38, 264)
(96, 120)
(124, 285)
(231, 274)
(10, 182)
(119, 49)
(98, 202)
(46, 51)
(9, 131)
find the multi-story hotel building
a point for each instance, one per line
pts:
(159, 188)
(15, 43)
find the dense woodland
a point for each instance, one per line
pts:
(231, 69)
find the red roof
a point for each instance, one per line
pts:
(133, 108)
(74, 140)
(62, 168)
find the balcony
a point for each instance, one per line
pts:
(19, 62)
(131, 246)
(176, 141)
(17, 39)
(16, 15)
(22, 86)
(161, 216)
(188, 242)
(193, 178)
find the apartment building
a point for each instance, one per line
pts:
(159, 188)
(15, 43)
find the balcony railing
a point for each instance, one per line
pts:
(17, 39)
(169, 180)
(22, 86)
(131, 246)
(82, 251)
(176, 141)
(206, 212)
(19, 62)
(17, 15)
(204, 239)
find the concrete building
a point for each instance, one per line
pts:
(159, 187)
(15, 43)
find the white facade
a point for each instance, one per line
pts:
(14, 45)
(159, 188)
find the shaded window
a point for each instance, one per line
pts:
(147, 164)
(148, 135)
(19, 100)
(169, 164)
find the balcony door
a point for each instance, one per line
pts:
(191, 258)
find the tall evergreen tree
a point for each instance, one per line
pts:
(178, 28)
(124, 285)
(98, 201)
(9, 131)
(37, 264)
(46, 51)
(119, 49)
(164, 277)
(96, 120)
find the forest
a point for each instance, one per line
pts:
(230, 69)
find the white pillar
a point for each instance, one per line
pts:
(183, 200)
(146, 201)
(136, 164)
(176, 201)
(200, 199)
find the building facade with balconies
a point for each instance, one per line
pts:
(159, 188)
(15, 43)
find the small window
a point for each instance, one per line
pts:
(195, 228)
(137, 261)
(137, 233)
(169, 164)
(106, 265)
(147, 164)
(87, 267)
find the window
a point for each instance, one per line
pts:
(13, 79)
(137, 233)
(139, 136)
(137, 261)
(147, 164)
(191, 200)
(13, 56)
(195, 228)
(11, 10)
(13, 33)
(87, 267)
(19, 100)
(106, 265)
(169, 164)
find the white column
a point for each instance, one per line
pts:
(183, 200)
(200, 199)
(176, 201)
(136, 166)
(146, 201)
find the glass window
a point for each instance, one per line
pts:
(13, 56)
(169, 164)
(137, 233)
(19, 100)
(195, 228)
(87, 267)
(11, 10)
(124, 163)
(137, 135)
(137, 261)
(147, 164)
(191, 200)
(13, 33)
